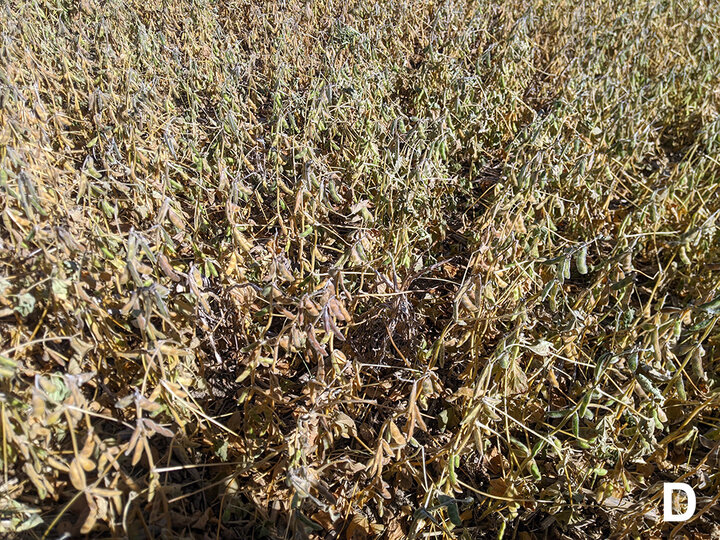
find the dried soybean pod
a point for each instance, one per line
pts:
(697, 363)
(167, 268)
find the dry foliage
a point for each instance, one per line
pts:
(354, 270)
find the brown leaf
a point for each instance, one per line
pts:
(345, 424)
(359, 528)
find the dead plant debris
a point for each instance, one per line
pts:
(353, 270)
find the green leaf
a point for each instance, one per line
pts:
(4, 286)
(221, 450)
(542, 348)
(33, 521)
(60, 288)
(25, 304)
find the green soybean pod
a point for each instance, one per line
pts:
(684, 256)
(501, 530)
(454, 514)
(553, 297)
(537, 447)
(535, 470)
(581, 260)
(677, 328)
(648, 386)
(451, 470)
(585, 403)
(633, 361)
(686, 437)
(680, 387)
(333, 193)
(546, 290)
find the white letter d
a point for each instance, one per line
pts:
(668, 489)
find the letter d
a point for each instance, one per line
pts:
(668, 489)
